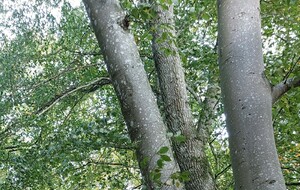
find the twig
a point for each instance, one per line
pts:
(72, 108)
(214, 155)
(276, 116)
(61, 73)
(291, 70)
(223, 171)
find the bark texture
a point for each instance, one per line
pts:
(130, 82)
(190, 153)
(247, 97)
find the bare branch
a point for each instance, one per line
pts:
(112, 164)
(92, 162)
(72, 108)
(87, 88)
(283, 87)
(223, 171)
(86, 53)
(293, 184)
(291, 69)
(276, 116)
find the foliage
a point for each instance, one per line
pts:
(81, 141)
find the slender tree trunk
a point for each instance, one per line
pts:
(130, 82)
(190, 153)
(247, 97)
(209, 108)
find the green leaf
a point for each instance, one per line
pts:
(185, 176)
(165, 157)
(160, 163)
(163, 150)
(156, 176)
(145, 162)
(180, 138)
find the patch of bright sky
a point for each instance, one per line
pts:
(75, 3)
(10, 6)
(56, 12)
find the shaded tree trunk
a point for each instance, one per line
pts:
(190, 153)
(247, 97)
(130, 82)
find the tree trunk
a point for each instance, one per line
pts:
(208, 115)
(189, 153)
(130, 82)
(247, 97)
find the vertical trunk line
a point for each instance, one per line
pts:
(189, 154)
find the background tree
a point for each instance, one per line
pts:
(61, 125)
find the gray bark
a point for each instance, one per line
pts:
(247, 97)
(283, 87)
(130, 82)
(190, 154)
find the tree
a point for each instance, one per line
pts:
(68, 109)
(130, 81)
(248, 97)
(189, 151)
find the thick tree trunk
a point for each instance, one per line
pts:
(247, 97)
(130, 81)
(190, 153)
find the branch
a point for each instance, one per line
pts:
(293, 184)
(291, 169)
(72, 108)
(292, 68)
(283, 87)
(223, 171)
(63, 72)
(12, 147)
(276, 116)
(112, 164)
(90, 162)
(194, 94)
(86, 53)
(87, 88)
